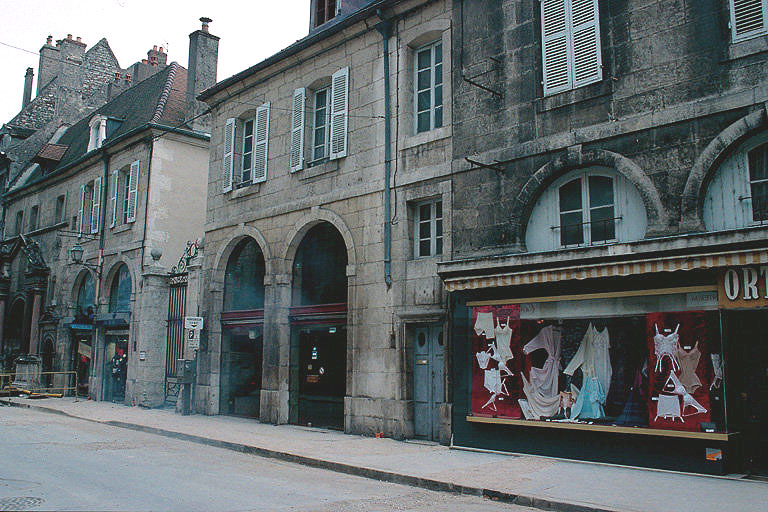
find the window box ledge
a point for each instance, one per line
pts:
(574, 96)
(318, 169)
(426, 137)
(122, 227)
(245, 189)
(747, 47)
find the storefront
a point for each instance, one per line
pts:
(658, 363)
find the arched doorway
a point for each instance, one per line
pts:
(116, 335)
(319, 329)
(14, 335)
(81, 331)
(242, 332)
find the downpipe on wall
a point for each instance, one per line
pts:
(385, 29)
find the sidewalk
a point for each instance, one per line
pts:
(548, 484)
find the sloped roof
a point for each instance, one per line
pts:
(158, 99)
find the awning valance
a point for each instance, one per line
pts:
(607, 269)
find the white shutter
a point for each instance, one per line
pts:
(297, 130)
(96, 205)
(261, 143)
(747, 18)
(133, 187)
(113, 199)
(339, 113)
(554, 47)
(81, 211)
(587, 61)
(229, 155)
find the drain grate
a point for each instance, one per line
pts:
(20, 503)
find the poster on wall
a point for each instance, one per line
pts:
(496, 361)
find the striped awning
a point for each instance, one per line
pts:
(608, 269)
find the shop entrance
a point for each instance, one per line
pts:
(747, 383)
(115, 366)
(241, 363)
(80, 356)
(322, 371)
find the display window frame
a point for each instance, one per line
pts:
(706, 310)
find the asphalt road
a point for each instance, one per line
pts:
(50, 462)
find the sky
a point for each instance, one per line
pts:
(250, 31)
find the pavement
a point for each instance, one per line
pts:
(538, 482)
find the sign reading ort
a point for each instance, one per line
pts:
(744, 287)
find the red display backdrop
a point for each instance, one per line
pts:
(486, 368)
(692, 331)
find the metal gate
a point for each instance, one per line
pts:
(177, 309)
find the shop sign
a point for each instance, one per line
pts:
(743, 287)
(193, 322)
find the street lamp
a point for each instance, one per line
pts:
(77, 253)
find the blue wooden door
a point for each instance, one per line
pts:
(428, 380)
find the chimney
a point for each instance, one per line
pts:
(70, 75)
(27, 87)
(49, 63)
(157, 57)
(203, 60)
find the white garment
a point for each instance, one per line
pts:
(484, 325)
(482, 359)
(666, 346)
(503, 342)
(668, 407)
(492, 381)
(542, 389)
(593, 358)
(688, 400)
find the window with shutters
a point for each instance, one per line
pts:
(586, 207)
(570, 32)
(748, 18)
(321, 117)
(339, 115)
(246, 173)
(124, 191)
(428, 87)
(737, 194)
(428, 228)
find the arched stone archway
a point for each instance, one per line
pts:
(692, 207)
(658, 220)
(307, 222)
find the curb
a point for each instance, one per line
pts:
(339, 467)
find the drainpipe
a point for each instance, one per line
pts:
(385, 29)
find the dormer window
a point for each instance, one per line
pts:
(98, 132)
(325, 10)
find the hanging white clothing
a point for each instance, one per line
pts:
(503, 342)
(688, 400)
(484, 325)
(593, 357)
(668, 407)
(666, 346)
(492, 381)
(542, 388)
(482, 359)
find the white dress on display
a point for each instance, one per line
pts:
(542, 388)
(593, 357)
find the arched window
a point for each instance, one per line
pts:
(120, 291)
(244, 278)
(737, 196)
(586, 207)
(319, 271)
(85, 294)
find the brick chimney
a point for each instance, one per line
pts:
(49, 63)
(157, 57)
(203, 61)
(28, 77)
(72, 53)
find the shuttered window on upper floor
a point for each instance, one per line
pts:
(570, 31)
(748, 18)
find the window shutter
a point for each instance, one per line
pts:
(587, 61)
(747, 18)
(339, 113)
(297, 130)
(554, 36)
(229, 155)
(133, 187)
(81, 211)
(261, 144)
(96, 205)
(113, 199)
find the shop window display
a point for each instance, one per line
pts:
(601, 361)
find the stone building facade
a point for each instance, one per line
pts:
(122, 186)
(605, 151)
(323, 305)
